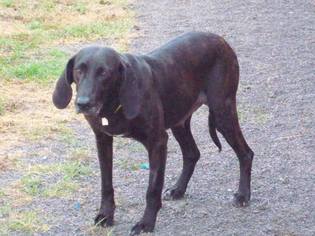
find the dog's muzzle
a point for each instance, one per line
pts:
(83, 105)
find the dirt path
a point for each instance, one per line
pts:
(274, 41)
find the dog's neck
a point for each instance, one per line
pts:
(111, 106)
(113, 121)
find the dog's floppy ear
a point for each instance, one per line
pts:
(63, 91)
(130, 94)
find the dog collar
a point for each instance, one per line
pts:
(104, 119)
(118, 108)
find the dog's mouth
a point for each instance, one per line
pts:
(90, 111)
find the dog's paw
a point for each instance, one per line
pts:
(104, 220)
(240, 200)
(141, 227)
(173, 193)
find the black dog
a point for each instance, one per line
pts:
(143, 96)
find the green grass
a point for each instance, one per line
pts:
(69, 170)
(67, 179)
(32, 184)
(5, 209)
(73, 170)
(25, 56)
(7, 3)
(12, 49)
(261, 116)
(2, 193)
(79, 154)
(13, 220)
(255, 115)
(110, 29)
(32, 57)
(2, 106)
(62, 188)
(39, 70)
(96, 230)
(71, 173)
(127, 164)
(80, 7)
(34, 25)
(48, 5)
(130, 145)
(27, 222)
(63, 133)
(67, 136)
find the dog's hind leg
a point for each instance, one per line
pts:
(228, 125)
(191, 155)
(221, 93)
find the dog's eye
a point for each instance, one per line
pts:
(104, 73)
(78, 72)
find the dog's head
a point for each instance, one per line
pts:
(96, 71)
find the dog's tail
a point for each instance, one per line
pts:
(212, 131)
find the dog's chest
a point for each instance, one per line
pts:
(115, 125)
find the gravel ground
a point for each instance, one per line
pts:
(275, 43)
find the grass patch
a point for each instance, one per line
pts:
(38, 70)
(110, 29)
(96, 230)
(5, 209)
(126, 164)
(69, 170)
(2, 193)
(34, 25)
(80, 154)
(255, 115)
(62, 188)
(261, 116)
(32, 184)
(47, 23)
(7, 3)
(67, 136)
(66, 177)
(2, 106)
(9, 161)
(28, 117)
(80, 7)
(130, 145)
(71, 173)
(73, 170)
(31, 59)
(27, 222)
(46, 180)
(36, 131)
(32, 56)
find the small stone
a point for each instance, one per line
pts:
(77, 206)
(144, 166)
(136, 27)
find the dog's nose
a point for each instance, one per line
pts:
(83, 102)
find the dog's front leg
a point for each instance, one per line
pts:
(104, 144)
(157, 148)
